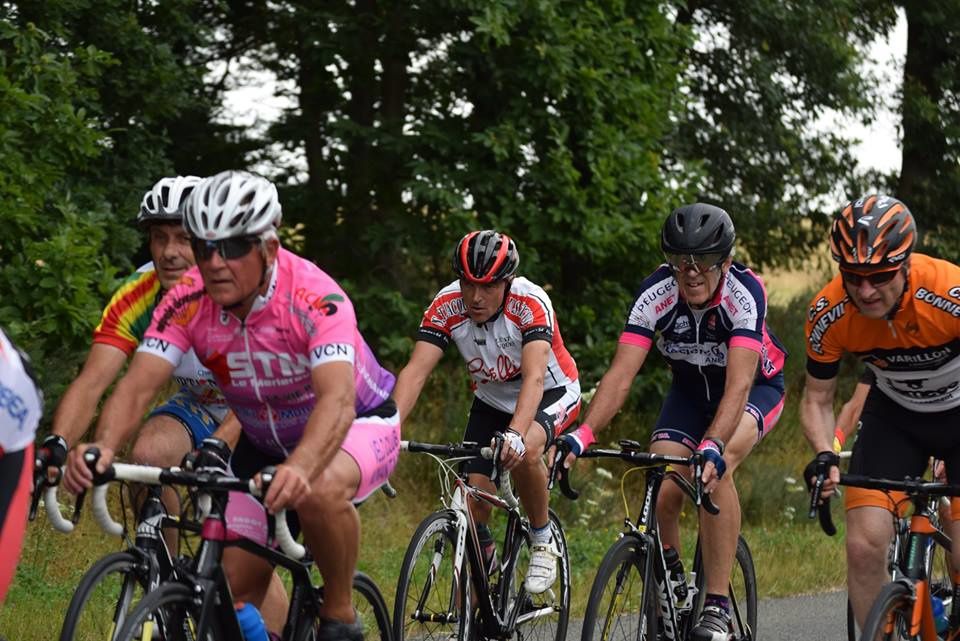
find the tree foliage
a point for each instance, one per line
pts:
(574, 125)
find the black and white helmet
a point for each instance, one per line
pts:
(163, 203)
(231, 204)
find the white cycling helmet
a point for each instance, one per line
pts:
(163, 202)
(231, 204)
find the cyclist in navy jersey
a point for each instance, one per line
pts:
(707, 315)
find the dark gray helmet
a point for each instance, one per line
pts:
(698, 229)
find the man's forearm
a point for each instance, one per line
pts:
(75, 412)
(531, 394)
(817, 419)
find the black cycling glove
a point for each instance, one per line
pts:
(213, 454)
(821, 464)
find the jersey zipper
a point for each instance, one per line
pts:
(696, 324)
(256, 389)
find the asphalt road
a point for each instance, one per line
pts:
(818, 617)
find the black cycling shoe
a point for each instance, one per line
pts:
(714, 625)
(333, 630)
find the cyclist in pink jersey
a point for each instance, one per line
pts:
(281, 339)
(525, 382)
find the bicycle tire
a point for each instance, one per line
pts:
(742, 592)
(432, 595)
(118, 580)
(169, 613)
(371, 609)
(622, 601)
(544, 616)
(890, 614)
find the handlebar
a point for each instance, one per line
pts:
(913, 487)
(633, 452)
(471, 450)
(151, 475)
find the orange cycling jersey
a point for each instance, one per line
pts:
(914, 352)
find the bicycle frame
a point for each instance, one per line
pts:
(646, 531)
(922, 535)
(497, 619)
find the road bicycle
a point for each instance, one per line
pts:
(632, 597)
(195, 603)
(904, 609)
(116, 582)
(938, 563)
(444, 591)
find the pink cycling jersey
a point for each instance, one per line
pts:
(263, 363)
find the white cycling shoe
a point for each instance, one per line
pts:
(542, 571)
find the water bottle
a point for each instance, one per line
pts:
(253, 627)
(940, 617)
(678, 579)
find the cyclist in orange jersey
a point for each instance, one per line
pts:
(899, 312)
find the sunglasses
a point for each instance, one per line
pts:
(701, 263)
(228, 248)
(876, 279)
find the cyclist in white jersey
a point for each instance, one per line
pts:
(21, 403)
(524, 380)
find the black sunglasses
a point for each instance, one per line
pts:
(876, 279)
(228, 248)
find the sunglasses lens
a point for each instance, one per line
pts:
(699, 262)
(228, 248)
(232, 248)
(876, 279)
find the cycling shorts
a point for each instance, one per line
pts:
(373, 441)
(685, 416)
(195, 417)
(558, 409)
(16, 478)
(895, 442)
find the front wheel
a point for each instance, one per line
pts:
(538, 617)
(105, 597)
(621, 606)
(433, 592)
(169, 613)
(890, 615)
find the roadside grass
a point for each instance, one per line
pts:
(790, 552)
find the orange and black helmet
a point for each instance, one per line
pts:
(485, 257)
(874, 232)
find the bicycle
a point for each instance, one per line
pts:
(903, 609)
(938, 565)
(195, 604)
(444, 591)
(632, 598)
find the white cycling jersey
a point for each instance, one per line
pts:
(21, 401)
(492, 349)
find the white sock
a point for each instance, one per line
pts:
(540, 535)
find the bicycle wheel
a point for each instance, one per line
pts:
(105, 597)
(539, 617)
(169, 613)
(621, 606)
(742, 592)
(432, 591)
(890, 615)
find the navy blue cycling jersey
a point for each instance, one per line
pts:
(695, 341)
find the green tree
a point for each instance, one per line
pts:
(929, 180)
(761, 74)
